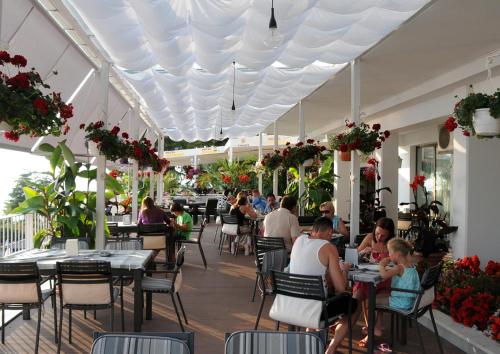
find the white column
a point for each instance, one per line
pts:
(4, 43)
(389, 173)
(101, 160)
(134, 133)
(355, 117)
(341, 185)
(152, 174)
(159, 182)
(302, 138)
(195, 159)
(230, 158)
(260, 158)
(275, 173)
(29, 229)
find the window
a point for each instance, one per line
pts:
(436, 166)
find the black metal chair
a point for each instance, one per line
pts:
(262, 245)
(20, 289)
(85, 286)
(195, 241)
(144, 343)
(423, 303)
(265, 342)
(307, 295)
(209, 209)
(60, 243)
(168, 286)
(113, 229)
(228, 232)
(273, 259)
(157, 237)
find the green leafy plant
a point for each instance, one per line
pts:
(463, 112)
(25, 107)
(109, 143)
(271, 161)
(293, 156)
(69, 212)
(359, 137)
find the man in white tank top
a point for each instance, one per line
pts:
(314, 255)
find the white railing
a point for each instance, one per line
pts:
(17, 231)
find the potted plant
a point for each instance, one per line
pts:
(362, 137)
(477, 114)
(302, 153)
(24, 108)
(107, 142)
(145, 154)
(271, 161)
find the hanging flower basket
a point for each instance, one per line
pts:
(485, 124)
(362, 138)
(106, 142)
(294, 156)
(24, 105)
(345, 155)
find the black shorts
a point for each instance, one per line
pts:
(341, 306)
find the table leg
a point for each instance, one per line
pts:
(26, 313)
(149, 305)
(137, 300)
(371, 317)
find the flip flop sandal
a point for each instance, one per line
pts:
(363, 343)
(384, 348)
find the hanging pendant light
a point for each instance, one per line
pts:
(233, 107)
(274, 38)
(221, 122)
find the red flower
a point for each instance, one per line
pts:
(414, 186)
(244, 178)
(66, 111)
(387, 133)
(310, 141)
(299, 144)
(376, 127)
(99, 124)
(466, 132)
(113, 174)
(41, 106)
(372, 161)
(115, 130)
(343, 147)
(450, 124)
(4, 56)
(66, 129)
(378, 144)
(350, 124)
(369, 173)
(322, 148)
(21, 81)
(82, 126)
(19, 60)
(124, 135)
(11, 135)
(137, 152)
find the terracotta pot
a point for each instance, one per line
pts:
(345, 156)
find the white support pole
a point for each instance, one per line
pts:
(355, 117)
(134, 133)
(230, 159)
(260, 159)
(275, 173)
(195, 159)
(29, 230)
(4, 44)
(389, 174)
(152, 174)
(341, 186)
(159, 182)
(302, 138)
(101, 160)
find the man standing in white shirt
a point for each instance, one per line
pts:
(283, 222)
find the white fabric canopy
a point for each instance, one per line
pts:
(178, 54)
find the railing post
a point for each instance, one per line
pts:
(29, 231)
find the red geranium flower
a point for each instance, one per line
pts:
(466, 133)
(450, 124)
(41, 105)
(376, 127)
(124, 135)
(18, 60)
(343, 148)
(310, 141)
(372, 161)
(21, 81)
(113, 174)
(387, 133)
(11, 135)
(82, 126)
(115, 130)
(66, 111)
(244, 178)
(4, 56)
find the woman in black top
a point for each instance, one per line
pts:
(240, 209)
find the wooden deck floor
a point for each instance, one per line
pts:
(217, 300)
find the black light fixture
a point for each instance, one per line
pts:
(233, 107)
(272, 22)
(221, 121)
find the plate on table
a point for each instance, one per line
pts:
(369, 266)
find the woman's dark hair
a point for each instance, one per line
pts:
(176, 207)
(322, 224)
(386, 224)
(242, 201)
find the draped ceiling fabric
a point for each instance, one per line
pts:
(178, 54)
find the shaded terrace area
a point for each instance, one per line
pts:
(217, 301)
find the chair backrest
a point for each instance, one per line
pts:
(139, 344)
(211, 206)
(265, 244)
(152, 229)
(275, 259)
(298, 285)
(113, 228)
(179, 261)
(263, 342)
(229, 219)
(124, 244)
(154, 235)
(85, 282)
(431, 276)
(19, 283)
(181, 201)
(358, 239)
(202, 227)
(60, 243)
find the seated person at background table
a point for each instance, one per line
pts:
(183, 222)
(271, 204)
(151, 214)
(374, 246)
(258, 202)
(314, 255)
(240, 209)
(328, 210)
(283, 222)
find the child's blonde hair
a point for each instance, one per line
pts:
(400, 245)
